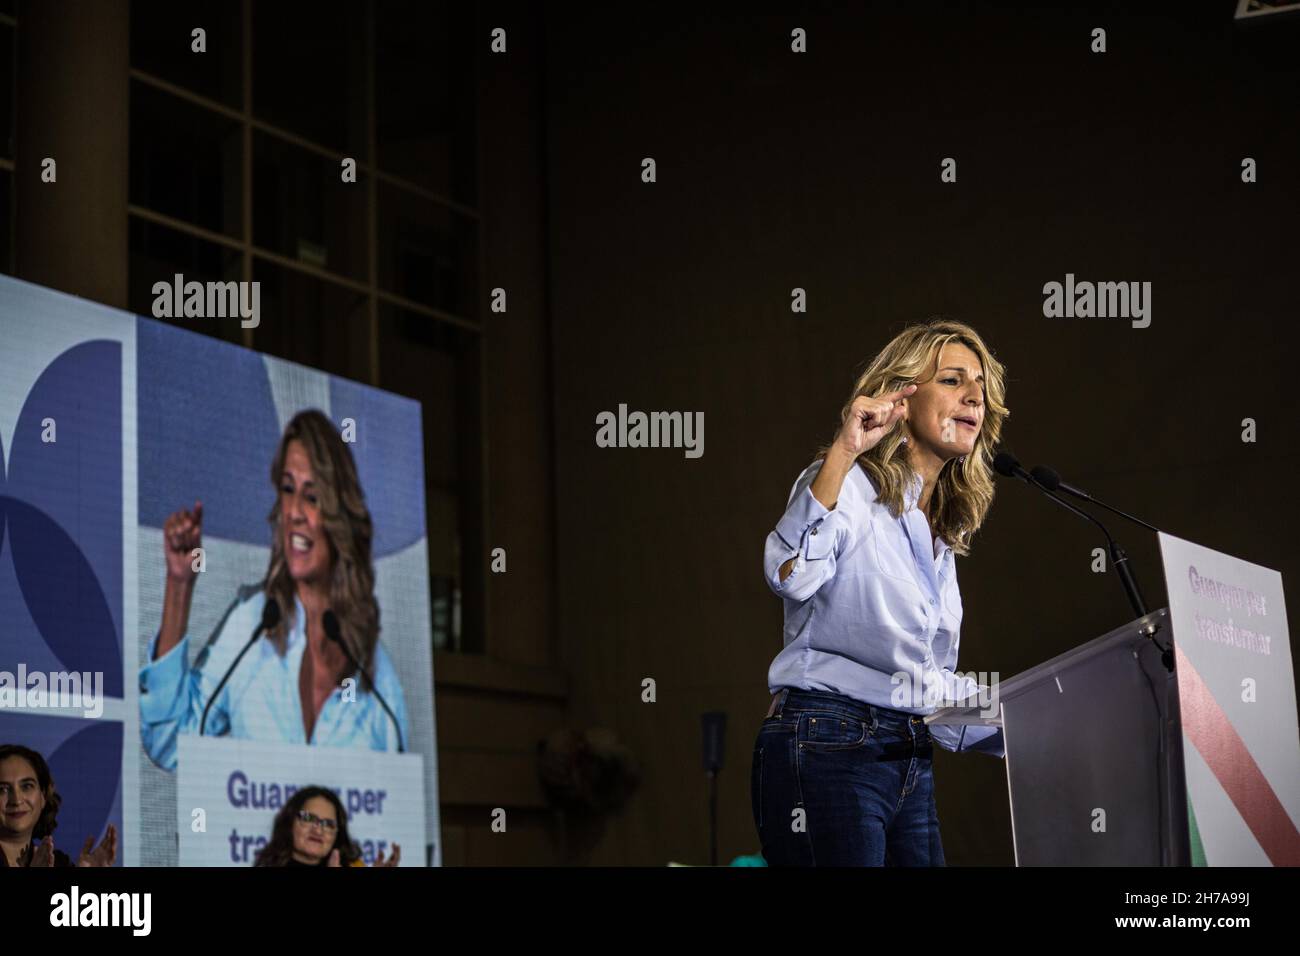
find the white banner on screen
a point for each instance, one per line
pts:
(240, 785)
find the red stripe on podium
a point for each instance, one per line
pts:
(1218, 742)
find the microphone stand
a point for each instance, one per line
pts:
(1049, 481)
(330, 622)
(1118, 558)
(270, 618)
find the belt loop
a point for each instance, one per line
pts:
(875, 721)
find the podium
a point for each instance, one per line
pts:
(1093, 754)
(1116, 758)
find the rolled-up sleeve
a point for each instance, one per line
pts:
(812, 535)
(171, 702)
(980, 739)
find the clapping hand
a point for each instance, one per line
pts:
(43, 855)
(102, 855)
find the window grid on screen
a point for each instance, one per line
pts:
(236, 174)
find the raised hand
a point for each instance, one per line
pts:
(334, 859)
(102, 855)
(397, 856)
(866, 422)
(182, 533)
(871, 419)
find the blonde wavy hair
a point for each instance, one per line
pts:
(964, 491)
(348, 531)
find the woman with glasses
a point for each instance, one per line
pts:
(312, 830)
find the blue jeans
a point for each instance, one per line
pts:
(861, 775)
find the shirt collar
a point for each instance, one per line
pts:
(911, 495)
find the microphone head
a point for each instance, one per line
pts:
(1046, 477)
(1005, 464)
(331, 624)
(270, 614)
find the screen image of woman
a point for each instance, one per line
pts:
(300, 681)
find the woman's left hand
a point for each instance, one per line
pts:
(102, 855)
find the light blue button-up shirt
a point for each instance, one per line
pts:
(261, 700)
(872, 609)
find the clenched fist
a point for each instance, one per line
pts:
(182, 533)
(870, 419)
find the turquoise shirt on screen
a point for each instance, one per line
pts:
(261, 700)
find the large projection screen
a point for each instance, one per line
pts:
(109, 422)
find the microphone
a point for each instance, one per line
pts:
(270, 618)
(331, 623)
(1049, 479)
(1006, 464)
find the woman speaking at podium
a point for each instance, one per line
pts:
(296, 684)
(863, 558)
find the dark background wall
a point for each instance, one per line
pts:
(821, 171)
(775, 171)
